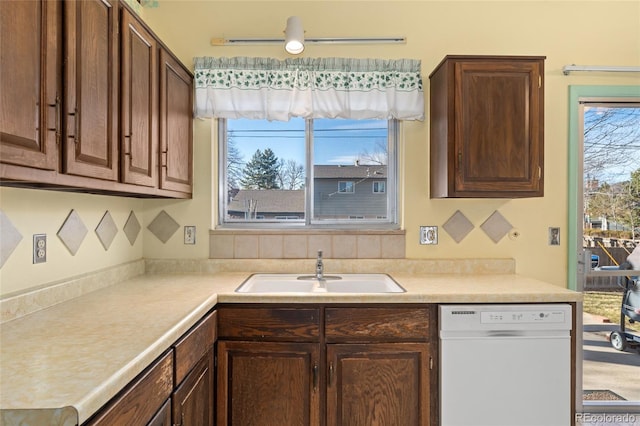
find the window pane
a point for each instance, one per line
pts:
(348, 156)
(265, 170)
(307, 172)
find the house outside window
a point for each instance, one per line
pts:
(379, 187)
(345, 186)
(297, 173)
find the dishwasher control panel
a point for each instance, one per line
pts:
(522, 317)
(506, 317)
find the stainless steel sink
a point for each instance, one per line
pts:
(336, 283)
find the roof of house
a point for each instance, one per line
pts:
(287, 201)
(362, 171)
(274, 200)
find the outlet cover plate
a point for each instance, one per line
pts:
(39, 248)
(190, 234)
(428, 235)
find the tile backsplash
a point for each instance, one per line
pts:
(261, 244)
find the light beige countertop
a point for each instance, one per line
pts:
(61, 364)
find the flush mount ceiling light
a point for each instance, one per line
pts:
(294, 36)
(295, 41)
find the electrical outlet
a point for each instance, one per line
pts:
(39, 248)
(429, 235)
(190, 234)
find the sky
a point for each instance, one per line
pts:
(335, 141)
(612, 146)
(611, 142)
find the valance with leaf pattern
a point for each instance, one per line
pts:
(272, 89)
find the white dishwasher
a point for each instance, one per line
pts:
(505, 365)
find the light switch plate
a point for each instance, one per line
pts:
(554, 236)
(190, 234)
(429, 235)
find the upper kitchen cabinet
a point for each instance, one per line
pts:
(91, 88)
(176, 128)
(30, 81)
(92, 101)
(487, 127)
(139, 107)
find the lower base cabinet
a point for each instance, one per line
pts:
(175, 390)
(163, 416)
(268, 383)
(138, 403)
(347, 366)
(192, 401)
(378, 384)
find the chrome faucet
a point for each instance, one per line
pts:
(319, 266)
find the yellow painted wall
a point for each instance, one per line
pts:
(566, 32)
(43, 212)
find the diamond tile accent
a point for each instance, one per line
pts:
(132, 228)
(496, 226)
(10, 237)
(106, 230)
(458, 226)
(72, 232)
(163, 226)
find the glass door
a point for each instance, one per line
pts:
(608, 229)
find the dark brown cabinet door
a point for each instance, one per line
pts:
(487, 127)
(193, 400)
(139, 103)
(268, 384)
(91, 82)
(176, 119)
(378, 384)
(163, 416)
(30, 81)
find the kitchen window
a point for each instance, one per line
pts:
(293, 173)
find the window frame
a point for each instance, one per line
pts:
(390, 222)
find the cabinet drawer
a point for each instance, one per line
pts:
(275, 324)
(140, 400)
(376, 324)
(193, 345)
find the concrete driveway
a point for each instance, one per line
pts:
(605, 368)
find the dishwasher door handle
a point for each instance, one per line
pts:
(497, 334)
(500, 335)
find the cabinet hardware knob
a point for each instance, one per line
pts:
(315, 377)
(130, 150)
(163, 159)
(56, 126)
(76, 122)
(331, 373)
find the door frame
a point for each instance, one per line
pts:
(578, 94)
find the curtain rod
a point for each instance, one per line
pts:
(322, 40)
(570, 68)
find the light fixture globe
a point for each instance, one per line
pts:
(294, 36)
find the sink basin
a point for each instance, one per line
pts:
(338, 283)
